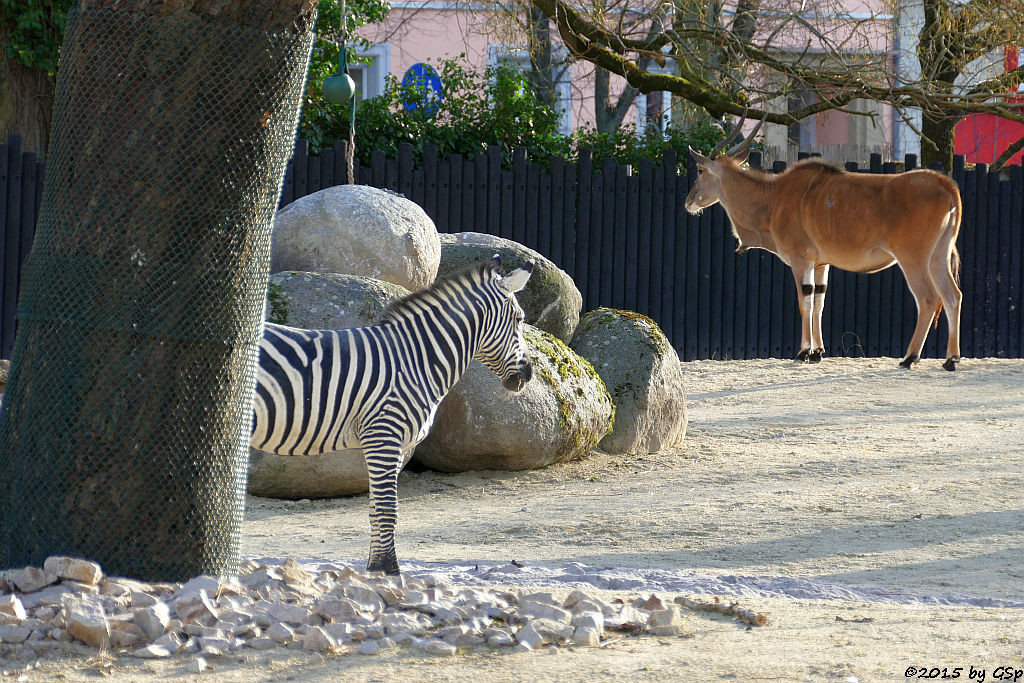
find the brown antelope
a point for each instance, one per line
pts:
(814, 215)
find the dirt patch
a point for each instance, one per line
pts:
(850, 473)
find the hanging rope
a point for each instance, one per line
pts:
(340, 89)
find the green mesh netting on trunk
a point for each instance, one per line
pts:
(125, 424)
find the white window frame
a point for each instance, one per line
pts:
(370, 82)
(519, 57)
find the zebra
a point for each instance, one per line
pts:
(378, 387)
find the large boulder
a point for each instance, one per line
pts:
(357, 230)
(319, 301)
(550, 300)
(560, 415)
(328, 301)
(328, 475)
(643, 375)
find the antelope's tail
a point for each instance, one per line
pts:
(952, 223)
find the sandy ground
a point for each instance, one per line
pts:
(794, 483)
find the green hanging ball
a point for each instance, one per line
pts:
(339, 88)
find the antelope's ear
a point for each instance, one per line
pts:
(517, 279)
(742, 156)
(699, 158)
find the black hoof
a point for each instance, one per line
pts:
(802, 356)
(950, 363)
(908, 362)
(386, 565)
(815, 356)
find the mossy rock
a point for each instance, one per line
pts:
(550, 300)
(644, 376)
(561, 414)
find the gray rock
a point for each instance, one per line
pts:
(357, 230)
(560, 415)
(281, 633)
(318, 640)
(543, 610)
(197, 665)
(594, 620)
(152, 651)
(642, 373)
(328, 301)
(551, 300)
(262, 643)
(434, 646)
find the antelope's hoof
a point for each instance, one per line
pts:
(908, 362)
(815, 356)
(802, 356)
(950, 363)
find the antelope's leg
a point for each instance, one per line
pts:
(803, 273)
(945, 284)
(817, 340)
(920, 282)
(383, 456)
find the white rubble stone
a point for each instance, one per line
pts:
(343, 631)
(594, 605)
(122, 638)
(87, 622)
(73, 568)
(49, 596)
(362, 594)
(195, 605)
(499, 638)
(666, 622)
(551, 630)
(152, 651)
(543, 610)
(31, 579)
(11, 606)
(153, 620)
(318, 640)
(434, 646)
(289, 614)
(368, 647)
(10, 633)
(214, 646)
(262, 643)
(627, 616)
(280, 632)
(594, 620)
(544, 597)
(529, 638)
(340, 609)
(197, 665)
(401, 622)
(45, 613)
(170, 641)
(586, 636)
(61, 635)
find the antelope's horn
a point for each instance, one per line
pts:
(749, 139)
(728, 138)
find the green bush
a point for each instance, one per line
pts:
(497, 107)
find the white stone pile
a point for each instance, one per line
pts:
(330, 608)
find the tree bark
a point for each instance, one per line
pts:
(608, 117)
(542, 72)
(26, 102)
(937, 143)
(124, 431)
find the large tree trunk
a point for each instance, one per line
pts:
(124, 431)
(26, 102)
(608, 115)
(542, 71)
(938, 137)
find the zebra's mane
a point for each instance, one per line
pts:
(477, 273)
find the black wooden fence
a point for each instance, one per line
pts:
(625, 238)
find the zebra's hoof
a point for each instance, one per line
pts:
(908, 362)
(950, 363)
(815, 356)
(802, 356)
(387, 565)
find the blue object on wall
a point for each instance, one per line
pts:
(424, 78)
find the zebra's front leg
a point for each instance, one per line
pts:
(383, 460)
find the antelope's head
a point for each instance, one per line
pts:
(503, 348)
(711, 169)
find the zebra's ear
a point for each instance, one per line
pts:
(496, 261)
(517, 279)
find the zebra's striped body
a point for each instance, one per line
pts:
(378, 387)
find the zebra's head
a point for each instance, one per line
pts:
(503, 349)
